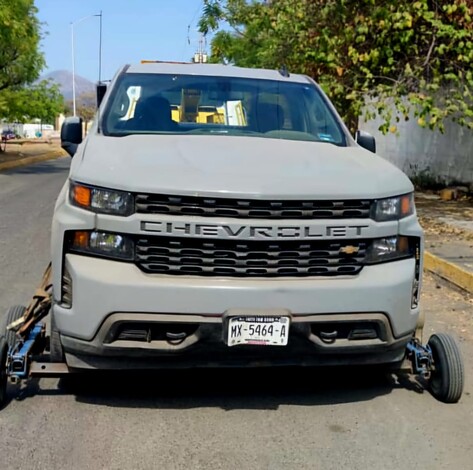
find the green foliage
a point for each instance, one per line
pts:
(86, 107)
(20, 59)
(20, 65)
(41, 101)
(415, 55)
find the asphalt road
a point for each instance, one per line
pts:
(268, 419)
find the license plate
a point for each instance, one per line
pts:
(258, 330)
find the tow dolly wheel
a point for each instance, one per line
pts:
(447, 375)
(13, 314)
(3, 371)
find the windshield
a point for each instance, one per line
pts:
(175, 104)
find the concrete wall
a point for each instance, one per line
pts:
(425, 154)
(29, 130)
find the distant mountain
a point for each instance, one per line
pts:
(64, 79)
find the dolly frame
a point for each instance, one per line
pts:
(439, 361)
(31, 340)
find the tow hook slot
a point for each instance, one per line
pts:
(175, 338)
(328, 336)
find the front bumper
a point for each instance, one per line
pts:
(106, 293)
(116, 345)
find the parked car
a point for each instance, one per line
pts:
(8, 134)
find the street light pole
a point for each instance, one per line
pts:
(100, 49)
(73, 72)
(74, 58)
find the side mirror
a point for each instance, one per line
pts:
(101, 90)
(365, 140)
(71, 134)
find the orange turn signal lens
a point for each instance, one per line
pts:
(82, 195)
(81, 240)
(406, 205)
(403, 244)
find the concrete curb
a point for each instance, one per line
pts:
(30, 160)
(449, 271)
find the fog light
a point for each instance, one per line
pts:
(388, 249)
(110, 245)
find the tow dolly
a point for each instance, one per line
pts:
(23, 341)
(25, 346)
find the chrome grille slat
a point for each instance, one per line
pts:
(219, 254)
(250, 208)
(246, 262)
(196, 256)
(66, 289)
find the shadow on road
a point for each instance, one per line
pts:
(229, 389)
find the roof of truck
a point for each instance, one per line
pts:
(213, 70)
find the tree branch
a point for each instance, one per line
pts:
(429, 53)
(393, 80)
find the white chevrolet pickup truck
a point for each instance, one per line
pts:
(221, 216)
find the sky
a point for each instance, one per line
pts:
(132, 30)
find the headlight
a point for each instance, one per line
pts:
(394, 208)
(110, 245)
(389, 249)
(99, 200)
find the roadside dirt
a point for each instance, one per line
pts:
(443, 220)
(17, 150)
(448, 308)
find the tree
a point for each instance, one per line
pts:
(414, 55)
(40, 101)
(20, 58)
(21, 61)
(86, 107)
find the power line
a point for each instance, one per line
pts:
(194, 16)
(199, 8)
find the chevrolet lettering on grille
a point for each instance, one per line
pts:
(253, 232)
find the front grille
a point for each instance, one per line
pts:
(249, 258)
(250, 208)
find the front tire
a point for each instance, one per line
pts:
(447, 379)
(55, 347)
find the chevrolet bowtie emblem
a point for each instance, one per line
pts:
(349, 250)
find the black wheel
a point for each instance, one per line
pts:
(55, 347)
(3, 371)
(13, 314)
(447, 378)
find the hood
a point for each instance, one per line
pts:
(225, 166)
